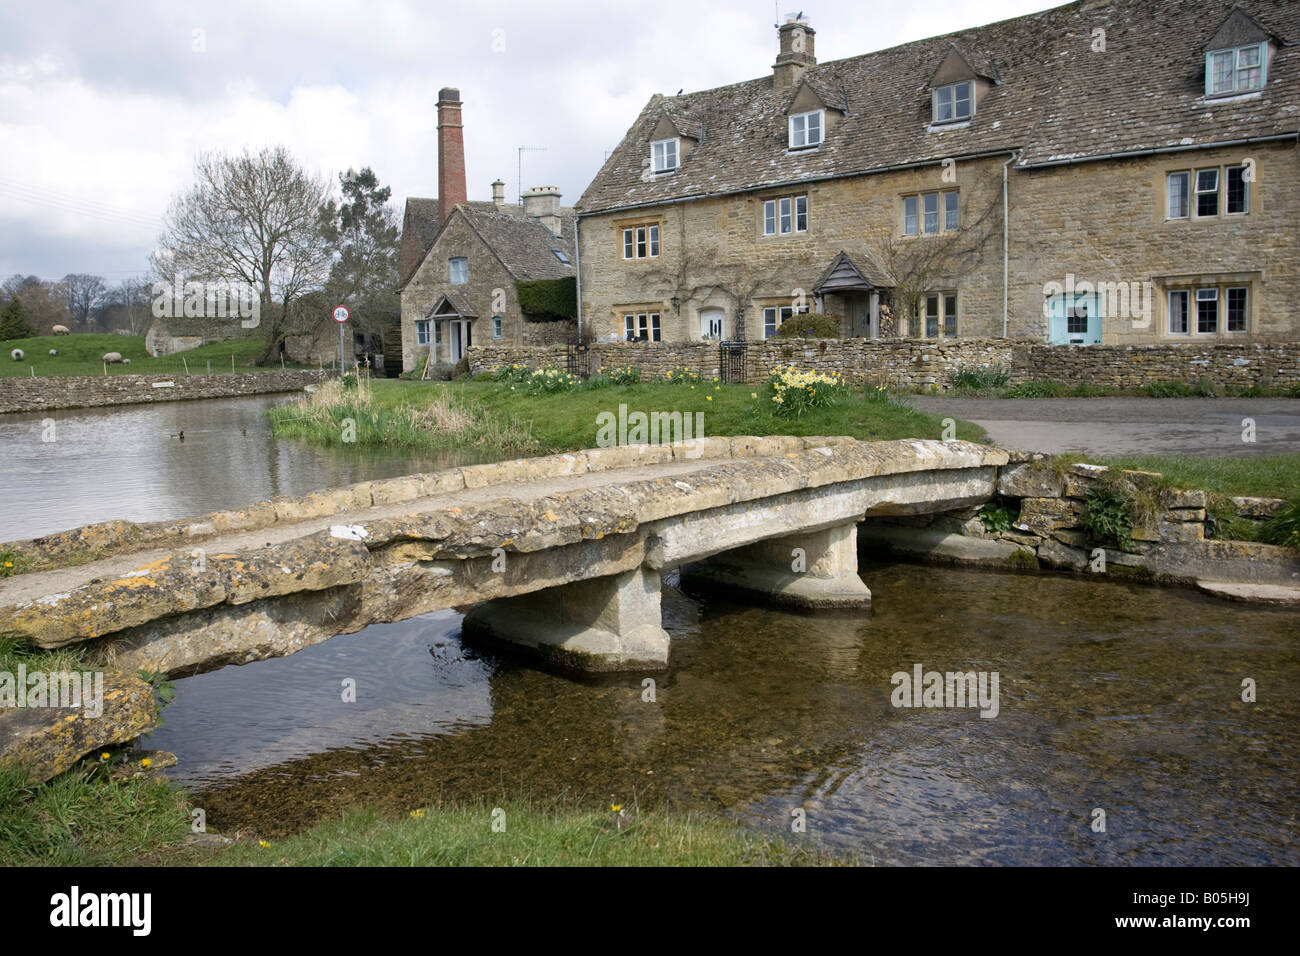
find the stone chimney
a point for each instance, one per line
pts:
(796, 53)
(498, 194)
(543, 204)
(451, 154)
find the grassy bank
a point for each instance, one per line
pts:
(79, 355)
(84, 818)
(992, 382)
(1262, 476)
(515, 421)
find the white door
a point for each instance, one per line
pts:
(456, 350)
(712, 323)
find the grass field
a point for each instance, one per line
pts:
(79, 355)
(493, 415)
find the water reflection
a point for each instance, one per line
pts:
(124, 462)
(1112, 695)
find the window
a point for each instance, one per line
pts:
(496, 326)
(774, 316)
(1207, 192)
(928, 206)
(931, 316)
(1237, 309)
(561, 255)
(1207, 310)
(806, 129)
(938, 316)
(641, 242)
(1178, 312)
(1238, 190)
(953, 103)
(663, 152)
(1177, 192)
(1238, 70)
(950, 315)
(642, 326)
(785, 215)
(1076, 320)
(459, 271)
(422, 332)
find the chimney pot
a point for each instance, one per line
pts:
(498, 193)
(452, 191)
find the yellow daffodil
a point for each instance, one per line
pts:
(616, 807)
(146, 762)
(417, 814)
(263, 844)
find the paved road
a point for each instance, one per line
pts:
(1130, 426)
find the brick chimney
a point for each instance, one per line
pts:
(796, 53)
(451, 154)
(498, 194)
(543, 204)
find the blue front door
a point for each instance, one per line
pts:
(1074, 319)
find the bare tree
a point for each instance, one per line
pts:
(126, 306)
(83, 292)
(44, 303)
(253, 218)
(916, 266)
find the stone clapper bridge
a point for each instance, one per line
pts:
(561, 555)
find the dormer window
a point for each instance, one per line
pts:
(663, 155)
(954, 103)
(806, 129)
(1238, 70)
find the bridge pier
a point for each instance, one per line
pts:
(812, 570)
(609, 623)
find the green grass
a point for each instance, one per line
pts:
(82, 818)
(1261, 476)
(532, 837)
(79, 355)
(534, 423)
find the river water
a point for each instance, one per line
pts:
(1113, 696)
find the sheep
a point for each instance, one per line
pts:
(16, 355)
(111, 357)
(61, 330)
(54, 351)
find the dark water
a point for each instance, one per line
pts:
(1113, 696)
(122, 462)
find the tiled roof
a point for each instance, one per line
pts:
(1057, 101)
(524, 246)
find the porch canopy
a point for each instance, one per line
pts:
(860, 292)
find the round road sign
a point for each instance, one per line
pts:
(341, 314)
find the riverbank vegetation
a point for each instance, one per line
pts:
(80, 355)
(541, 414)
(86, 818)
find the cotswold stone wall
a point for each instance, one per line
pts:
(89, 391)
(912, 363)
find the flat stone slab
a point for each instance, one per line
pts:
(1275, 594)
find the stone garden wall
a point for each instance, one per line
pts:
(90, 391)
(908, 363)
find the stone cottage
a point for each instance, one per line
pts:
(1144, 151)
(482, 272)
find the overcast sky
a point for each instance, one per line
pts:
(103, 106)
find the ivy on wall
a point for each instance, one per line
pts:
(545, 300)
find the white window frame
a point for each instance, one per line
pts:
(800, 131)
(953, 99)
(641, 241)
(496, 326)
(422, 331)
(1234, 85)
(1186, 175)
(915, 219)
(1186, 296)
(1213, 296)
(636, 323)
(659, 155)
(782, 216)
(774, 316)
(1198, 192)
(451, 270)
(921, 220)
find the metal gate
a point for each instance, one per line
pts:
(731, 361)
(577, 359)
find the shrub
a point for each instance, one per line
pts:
(548, 298)
(1166, 390)
(13, 322)
(980, 377)
(791, 393)
(809, 325)
(1038, 388)
(1108, 517)
(1205, 388)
